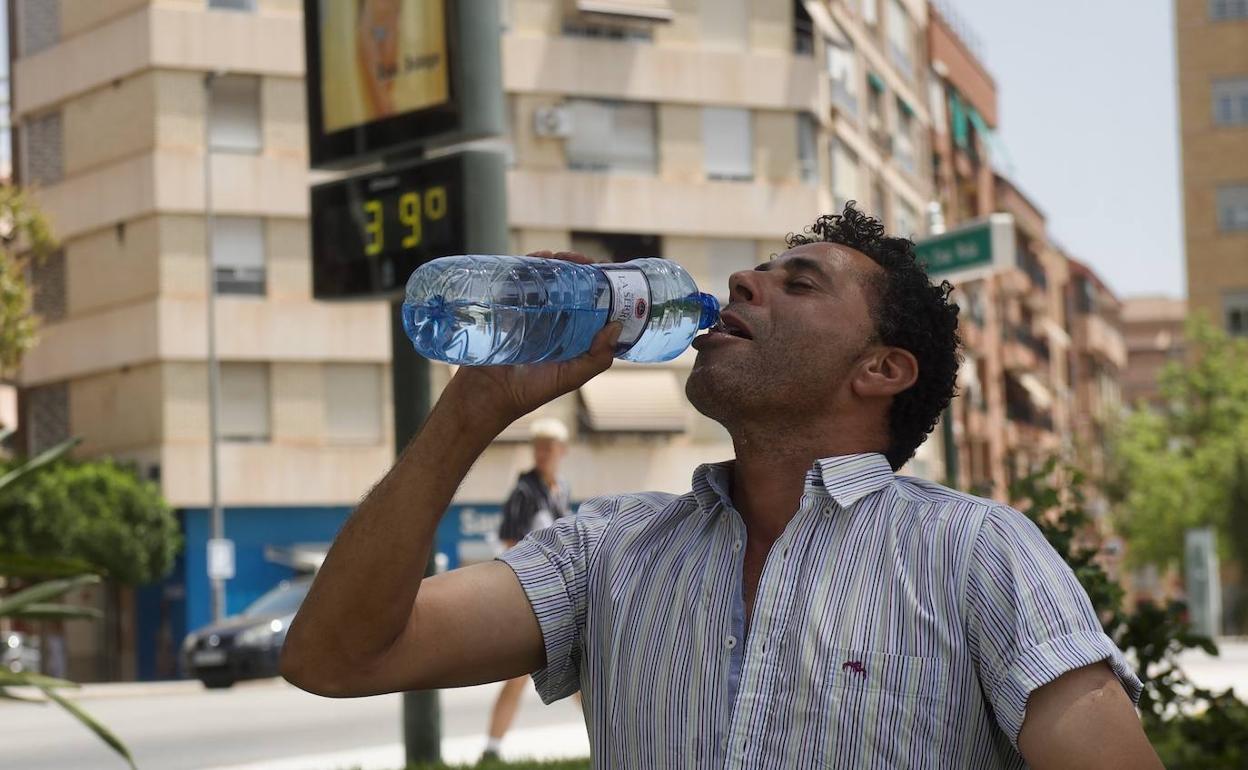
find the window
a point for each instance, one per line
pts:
(1225, 10)
(637, 33)
(725, 24)
(233, 5)
(47, 284)
(879, 202)
(244, 402)
(843, 72)
(611, 136)
(1235, 311)
(803, 30)
(845, 180)
(726, 144)
(46, 416)
(900, 38)
(871, 12)
(903, 141)
(43, 150)
(936, 102)
(875, 102)
(728, 256)
(353, 394)
(807, 151)
(38, 25)
(615, 247)
(1230, 102)
(234, 119)
(906, 220)
(1233, 207)
(238, 255)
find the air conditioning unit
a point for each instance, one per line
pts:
(553, 122)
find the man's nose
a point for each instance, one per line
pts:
(745, 286)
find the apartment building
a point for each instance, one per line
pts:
(1154, 332)
(1014, 405)
(1212, 38)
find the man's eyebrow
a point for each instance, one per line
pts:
(796, 265)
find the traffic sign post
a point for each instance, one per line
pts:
(972, 251)
(220, 559)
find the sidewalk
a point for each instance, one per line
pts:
(565, 741)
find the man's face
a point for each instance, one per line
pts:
(803, 323)
(547, 455)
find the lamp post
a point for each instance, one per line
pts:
(214, 369)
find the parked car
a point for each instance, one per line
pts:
(245, 646)
(20, 652)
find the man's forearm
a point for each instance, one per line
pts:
(362, 597)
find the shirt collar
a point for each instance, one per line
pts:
(846, 478)
(849, 478)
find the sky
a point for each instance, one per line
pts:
(1088, 115)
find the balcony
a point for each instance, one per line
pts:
(1024, 351)
(1095, 335)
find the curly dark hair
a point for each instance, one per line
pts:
(910, 313)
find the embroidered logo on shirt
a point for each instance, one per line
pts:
(856, 666)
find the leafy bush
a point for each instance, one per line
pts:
(1191, 727)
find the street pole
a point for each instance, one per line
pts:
(936, 226)
(409, 377)
(214, 371)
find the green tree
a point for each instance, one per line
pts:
(1174, 467)
(98, 512)
(24, 236)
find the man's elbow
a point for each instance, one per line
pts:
(301, 668)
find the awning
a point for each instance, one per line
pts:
(644, 401)
(875, 81)
(654, 10)
(958, 119)
(905, 106)
(1040, 395)
(824, 22)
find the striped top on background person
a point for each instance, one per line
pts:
(898, 624)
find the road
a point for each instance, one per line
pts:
(272, 726)
(250, 726)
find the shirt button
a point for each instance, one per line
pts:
(731, 642)
(736, 545)
(827, 513)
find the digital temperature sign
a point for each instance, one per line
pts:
(369, 232)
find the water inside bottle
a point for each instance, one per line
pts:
(476, 333)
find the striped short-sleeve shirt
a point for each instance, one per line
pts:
(897, 624)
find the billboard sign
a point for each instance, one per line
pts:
(388, 76)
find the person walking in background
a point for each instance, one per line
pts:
(539, 498)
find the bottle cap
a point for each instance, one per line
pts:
(710, 310)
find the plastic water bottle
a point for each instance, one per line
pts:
(485, 310)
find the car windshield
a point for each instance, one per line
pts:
(284, 599)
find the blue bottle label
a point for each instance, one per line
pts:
(630, 302)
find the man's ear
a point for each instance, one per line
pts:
(886, 372)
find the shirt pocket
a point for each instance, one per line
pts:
(886, 710)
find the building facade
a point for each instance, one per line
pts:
(1014, 406)
(1154, 332)
(115, 125)
(1212, 38)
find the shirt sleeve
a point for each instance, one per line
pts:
(1028, 619)
(553, 565)
(518, 511)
